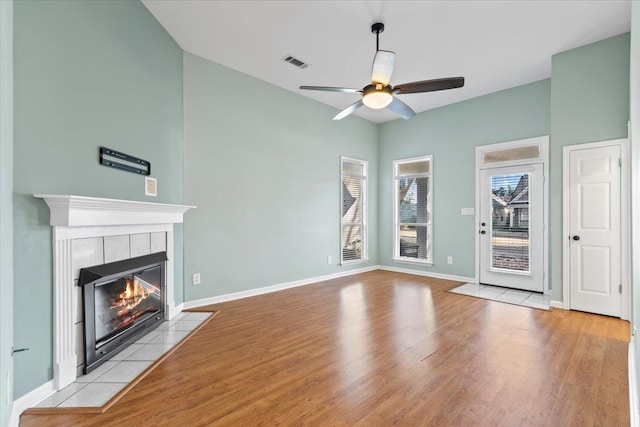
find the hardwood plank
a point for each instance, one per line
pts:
(382, 348)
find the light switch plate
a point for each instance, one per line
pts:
(467, 211)
(150, 186)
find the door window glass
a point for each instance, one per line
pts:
(510, 222)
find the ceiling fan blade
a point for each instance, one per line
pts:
(331, 89)
(382, 67)
(401, 109)
(429, 85)
(350, 109)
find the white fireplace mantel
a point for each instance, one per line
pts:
(76, 211)
(77, 217)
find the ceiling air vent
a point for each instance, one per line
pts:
(295, 61)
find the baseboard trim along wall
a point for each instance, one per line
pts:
(557, 304)
(633, 387)
(177, 309)
(428, 274)
(29, 400)
(273, 288)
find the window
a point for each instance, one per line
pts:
(413, 232)
(353, 226)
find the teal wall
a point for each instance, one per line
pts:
(635, 184)
(6, 206)
(87, 73)
(451, 134)
(262, 165)
(589, 102)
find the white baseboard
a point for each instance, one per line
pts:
(428, 274)
(29, 400)
(633, 387)
(557, 304)
(173, 311)
(273, 288)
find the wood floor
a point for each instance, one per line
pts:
(380, 349)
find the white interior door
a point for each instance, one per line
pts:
(594, 227)
(512, 227)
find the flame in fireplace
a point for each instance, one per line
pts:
(131, 297)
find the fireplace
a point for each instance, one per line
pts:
(122, 301)
(79, 219)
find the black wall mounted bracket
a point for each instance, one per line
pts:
(134, 164)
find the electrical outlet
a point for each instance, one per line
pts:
(449, 260)
(329, 259)
(196, 279)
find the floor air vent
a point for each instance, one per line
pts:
(295, 61)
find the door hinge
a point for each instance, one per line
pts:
(620, 288)
(620, 162)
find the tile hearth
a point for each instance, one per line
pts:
(98, 387)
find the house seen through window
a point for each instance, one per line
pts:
(413, 210)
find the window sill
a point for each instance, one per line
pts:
(412, 261)
(358, 261)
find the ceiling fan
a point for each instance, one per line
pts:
(379, 94)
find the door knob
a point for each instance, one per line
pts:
(483, 232)
(483, 224)
(576, 238)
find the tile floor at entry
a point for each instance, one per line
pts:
(98, 387)
(511, 296)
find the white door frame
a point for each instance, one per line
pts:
(625, 308)
(543, 143)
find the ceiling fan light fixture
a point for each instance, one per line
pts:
(377, 98)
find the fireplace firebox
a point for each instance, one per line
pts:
(122, 301)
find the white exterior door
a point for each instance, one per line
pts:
(512, 227)
(594, 230)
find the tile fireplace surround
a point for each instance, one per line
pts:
(89, 231)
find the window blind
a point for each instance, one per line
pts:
(353, 211)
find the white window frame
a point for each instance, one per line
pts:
(396, 217)
(364, 245)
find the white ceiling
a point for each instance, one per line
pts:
(495, 45)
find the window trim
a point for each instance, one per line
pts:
(365, 210)
(396, 225)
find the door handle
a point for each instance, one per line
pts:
(483, 232)
(576, 238)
